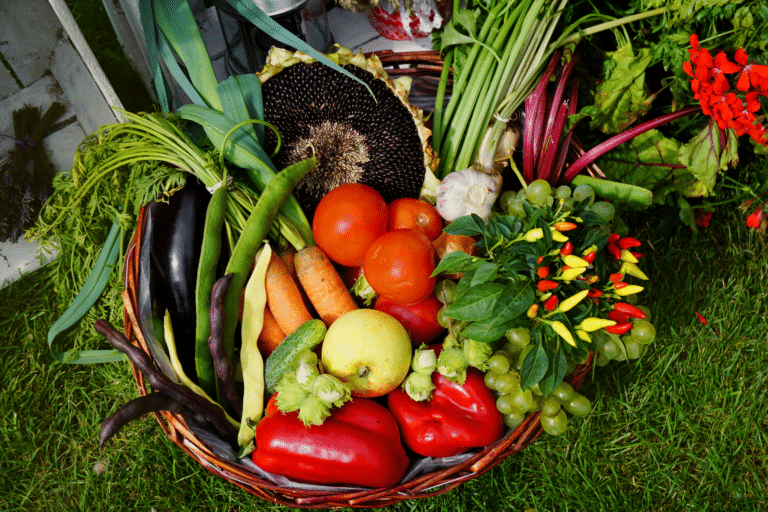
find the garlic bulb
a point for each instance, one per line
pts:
(466, 192)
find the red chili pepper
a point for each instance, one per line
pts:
(613, 238)
(637, 255)
(619, 285)
(629, 242)
(619, 328)
(629, 310)
(542, 272)
(458, 417)
(565, 226)
(551, 303)
(358, 444)
(546, 285)
(567, 249)
(618, 316)
(614, 251)
(594, 293)
(589, 257)
(541, 258)
(615, 278)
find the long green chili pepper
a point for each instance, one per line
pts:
(255, 230)
(206, 276)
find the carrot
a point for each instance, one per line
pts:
(323, 284)
(271, 335)
(287, 254)
(284, 297)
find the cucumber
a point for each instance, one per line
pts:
(307, 336)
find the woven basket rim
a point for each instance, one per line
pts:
(421, 486)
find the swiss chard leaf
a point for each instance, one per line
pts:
(705, 156)
(621, 98)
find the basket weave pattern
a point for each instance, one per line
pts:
(421, 486)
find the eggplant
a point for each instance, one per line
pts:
(176, 238)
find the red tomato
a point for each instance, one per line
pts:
(410, 213)
(420, 319)
(399, 265)
(347, 221)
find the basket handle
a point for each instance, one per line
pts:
(85, 298)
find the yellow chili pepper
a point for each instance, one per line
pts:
(563, 331)
(571, 301)
(584, 335)
(532, 311)
(592, 324)
(559, 237)
(533, 235)
(630, 289)
(633, 270)
(572, 273)
(628, 256)
(574, 261)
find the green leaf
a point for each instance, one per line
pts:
(467, 225)
(558, 365)
(621, 98)
(485, 273)
(648, 160)
(706, 155)
(535, 366)
(488, 330)
(476, 303)
(456, 262)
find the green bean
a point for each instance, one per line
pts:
(206, 276)
(254, 232)
(225, 372)
(136, 408)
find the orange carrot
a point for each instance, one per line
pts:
(284, 297)
(287, 254)
(271, 335)
(322, 284)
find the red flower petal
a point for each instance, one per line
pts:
(688, 69)
(720, 84)
(754, 219)
(723, 64)
(741, 57)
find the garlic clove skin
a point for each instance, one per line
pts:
(466, 192)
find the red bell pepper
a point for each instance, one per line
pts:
(358, 444)
(457, 417)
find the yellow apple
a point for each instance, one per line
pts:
(369, 349)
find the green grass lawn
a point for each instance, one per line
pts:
(684, 428)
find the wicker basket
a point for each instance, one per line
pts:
(422, 485)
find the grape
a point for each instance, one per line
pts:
(580, 406)
(498, 363)
(563, 392)
(583, 192)
(523, 400)
(601, 359)
(521, 194)
(514, 419)
(537, 192)
(604, 209)
(610, 349)
(505, 404)
(643, 331)
(518, 336)
(505, 198)
(568, 204)
(446, 291)
(563, 192)
(507, 383)
(538, 402)
(550, 407)
(634, 349)
(490, 379)
(516, 208)
(512, 350)
(554, 425)
(536, 390)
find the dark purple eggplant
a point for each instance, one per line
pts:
(176, 238)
